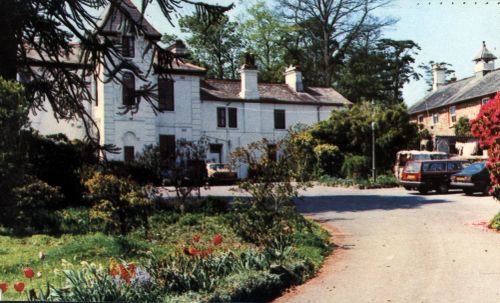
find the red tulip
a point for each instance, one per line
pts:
(131, 269)
(217, 239)
(19, 286)
(196, 238)
(28, 272)
(4, 287)
(193, 251)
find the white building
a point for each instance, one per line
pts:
(228, 113)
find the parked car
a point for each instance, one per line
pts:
(473, 178)
(427, 175)
(404, 156)
(220, 172)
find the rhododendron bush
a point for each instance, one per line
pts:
(486, 127)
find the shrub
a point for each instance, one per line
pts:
(495, 222)
(328, 158)
(119, 203)
(486, 126)
(462, 128)
(35, 205)
(355, 166)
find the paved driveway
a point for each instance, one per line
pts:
(397, 246)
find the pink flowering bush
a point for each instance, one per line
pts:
(486, 127)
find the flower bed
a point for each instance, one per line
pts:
(383, 181)
(191, 257)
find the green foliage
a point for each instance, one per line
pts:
(216, 45)
(382, 181)
(356, 166)
(265, 35)
(60, 162)
(118, 203)
(351, 131)
(462, 128)
(13, 117)
(300, 143)
(35, 205)
(378, 72)
(495, 222)
(329, 159)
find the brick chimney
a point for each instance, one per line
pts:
(249, 79)
(293, 78)
(178, 48)
(438, 76)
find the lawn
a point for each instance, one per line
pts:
(169, 235)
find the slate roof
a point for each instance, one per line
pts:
(459, 91)
(228, 90)
(113, 20)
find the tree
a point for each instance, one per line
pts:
(266, 36)
(427, 69)
(378, 71)
(462, 128)
(328, 29)
(351, 131)
(13, 117)
(36, 39)
(216, 45)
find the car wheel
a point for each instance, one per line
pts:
(423, 190)
(442, 188)
(468, 192)
(486, 190)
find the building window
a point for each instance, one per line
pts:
(221, 117)
(128, 89)
(232, 117)
(279, 119)
(166, 94)
(484, 101)
(420, 119)
(128, 46)
(216, 149)
(435, 118)
(167, 150)
(453, 114)
(128, 153)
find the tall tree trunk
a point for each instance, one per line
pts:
(10, 24)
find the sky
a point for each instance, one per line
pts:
(450, 31)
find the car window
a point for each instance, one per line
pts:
(434, 167)
(454, 166)
(412, 167)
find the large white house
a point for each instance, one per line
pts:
(228, 113)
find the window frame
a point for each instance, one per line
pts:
(128, 92)
(435, 118)
(166, 100)
(232, 117)
(420, 118)
(128, 46)
(485, 101)
(279, 124)
(221, 117)
(453, 113)
(128, 153)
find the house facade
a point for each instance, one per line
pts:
(448, 101)
(227, 113)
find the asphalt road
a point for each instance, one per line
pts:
(398, 246)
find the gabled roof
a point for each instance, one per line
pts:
(114, 19)
(459, 91)
(228, 90)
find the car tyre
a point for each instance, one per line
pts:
(468, 192)
(486, 190)
(442, 188)
(423, 190)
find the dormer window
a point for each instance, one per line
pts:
(128, 46)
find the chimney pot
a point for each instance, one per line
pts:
(249, 79)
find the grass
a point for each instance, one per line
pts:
(169, 233)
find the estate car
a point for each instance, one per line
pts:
(428, 175)
(474, 178)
